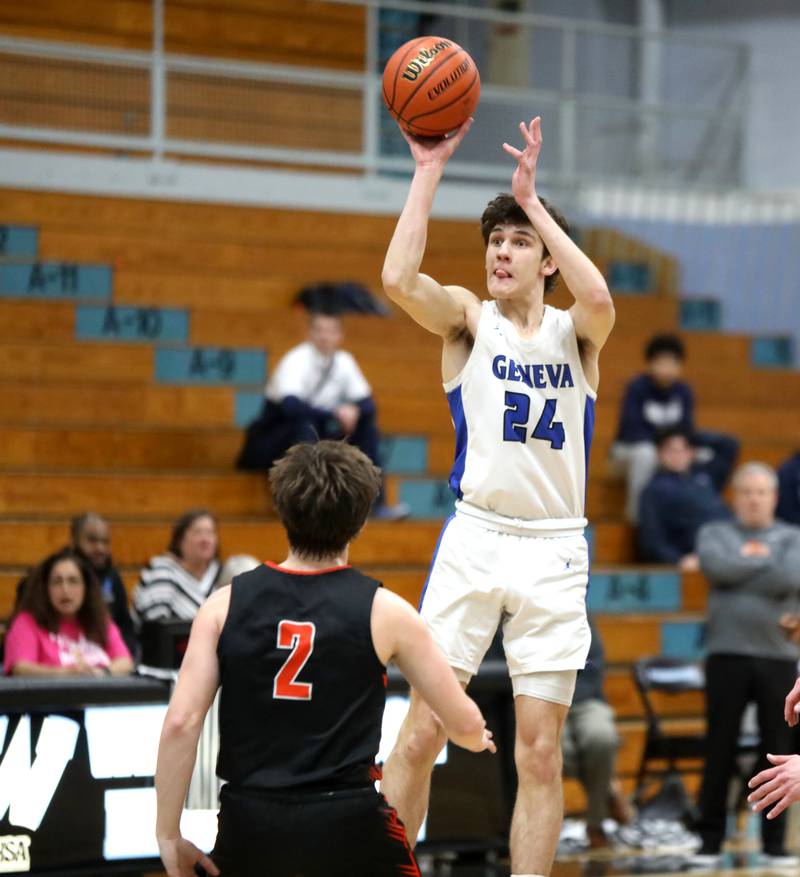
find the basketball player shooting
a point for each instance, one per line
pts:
(521, 379)
(298, 651)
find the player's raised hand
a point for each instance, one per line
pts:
(435, 151)
(180, 856)
(523, 183)
(778, 785)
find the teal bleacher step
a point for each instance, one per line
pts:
(404, 454)
(630, 277)
(427, 498)
(683, 639)
(59, 280)
(700, 315)
(18, 242)
(634, 591)
(772, 352)
(120, 323)
(213, 366)
(247, 407)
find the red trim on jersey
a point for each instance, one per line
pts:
(396, 831)
(299, 572)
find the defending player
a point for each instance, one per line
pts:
(521, 380)
(299, 651)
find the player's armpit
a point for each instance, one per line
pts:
(594, 321)
(442, 310)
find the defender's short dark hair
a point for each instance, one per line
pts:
(665, 343)
(323, 493)
(504, 210)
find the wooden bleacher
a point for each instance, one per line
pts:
(85, 425)
(254, 30)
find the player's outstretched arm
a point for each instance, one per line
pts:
(400, 635)
(441, 310)
(194, 692)
(593, 311)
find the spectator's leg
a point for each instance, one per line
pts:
(716, 455)
(308, 429)
(597, 743)
(728, 687)
(569, 750)
(775, 678)
(637, 462)
(367, 438)
(366, 435)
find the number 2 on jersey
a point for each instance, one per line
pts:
(517, 414)
(299, 637)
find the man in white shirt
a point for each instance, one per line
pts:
(317, 391)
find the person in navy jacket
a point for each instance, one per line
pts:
(679, 499)
(659, 399)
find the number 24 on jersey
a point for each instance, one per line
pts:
(517, 415)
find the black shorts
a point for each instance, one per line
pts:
(351, 832)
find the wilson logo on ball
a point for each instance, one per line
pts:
(431, 86)
(415, 67)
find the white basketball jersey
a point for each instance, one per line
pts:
(523, 413)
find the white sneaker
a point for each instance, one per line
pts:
(398, 512)
(704, 861)
(782, 860)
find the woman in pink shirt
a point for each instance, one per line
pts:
(62, 627)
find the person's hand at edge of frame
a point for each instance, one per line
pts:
(435, 151)
(180, 857)
(776, 787)
(791, 706)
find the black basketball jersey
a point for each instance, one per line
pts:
(302, 689)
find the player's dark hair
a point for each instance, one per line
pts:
(323, 493)
(665, 343)
(663, 435)
(92, 616)
(183, 523)
(504, 210)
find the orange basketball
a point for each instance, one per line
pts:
(431, 85)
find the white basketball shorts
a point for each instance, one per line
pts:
(533, 582)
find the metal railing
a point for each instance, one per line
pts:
(603, 118)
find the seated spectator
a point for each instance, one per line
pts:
(174, 585)
(317, 392)
(90, 537)
(679, 499)
(62, 626)
(657, 400)
(589, 743)
(789, 490)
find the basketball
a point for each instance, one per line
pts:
(431, 86)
